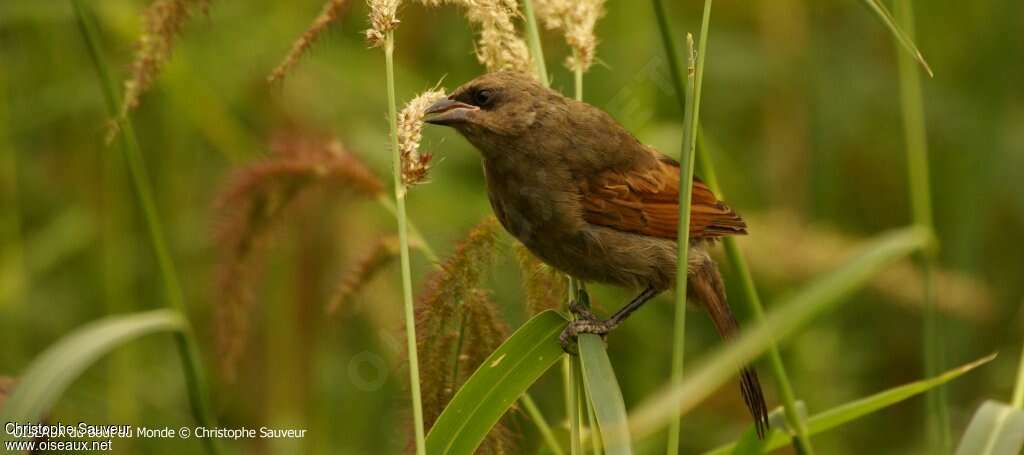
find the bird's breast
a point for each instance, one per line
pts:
(534, 205)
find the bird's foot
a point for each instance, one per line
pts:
(581, 310)
(580, 326)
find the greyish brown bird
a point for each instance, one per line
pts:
(586, 197)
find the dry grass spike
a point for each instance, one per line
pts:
(162, 24)
(252, 203)
(384, 252)
(328, 15)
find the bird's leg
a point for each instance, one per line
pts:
(599, 327)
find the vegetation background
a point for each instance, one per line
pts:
(800, 105)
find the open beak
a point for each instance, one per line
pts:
(449, 112)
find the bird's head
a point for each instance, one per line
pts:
(492, 107)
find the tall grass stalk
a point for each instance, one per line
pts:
(574, 390)
(912, 107)
(185, 340)
(533, 38)
(403, 248)
(691, 112)
(739, 264)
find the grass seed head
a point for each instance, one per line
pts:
(462, 271)
(328, 15)
(252, 203)
(576, 19)
(499, 46)
(384, 252)
(163, 22)
(415, 166)
(383, 19)
(545, 287)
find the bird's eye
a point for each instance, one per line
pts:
(483, 97)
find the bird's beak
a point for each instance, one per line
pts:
(449, 112)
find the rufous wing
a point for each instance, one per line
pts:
(646, 201)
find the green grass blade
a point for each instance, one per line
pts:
(691, 114)
(736, 260)
(853, 410)
(902, 37)
(55, 369)
(657, 411)
(996, 429)
(919, 186)
(605, 395)
(542, 424)
(195, 377)
(500, 381)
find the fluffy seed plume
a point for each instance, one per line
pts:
(545, 287)
(162, 24)
(252, 203)
(415, 165)
(383, 253)
(576, 19)
(328, 15)
(499, 47)
(383, 19)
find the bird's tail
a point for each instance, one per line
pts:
(705, 283)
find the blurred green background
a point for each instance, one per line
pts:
(800, 105)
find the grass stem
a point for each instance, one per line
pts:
(533, 38)
(690, 113)
(573, 390)
(912, 107)
(403, 247)
(542, 424)
(750, 294)
(185, 340)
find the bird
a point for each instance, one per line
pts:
(586, 197)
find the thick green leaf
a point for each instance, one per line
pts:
(499, 382)
(901, 36)
(604, 393)
(658, 410)
(56, 368)
(855, 409)
(996, 429)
